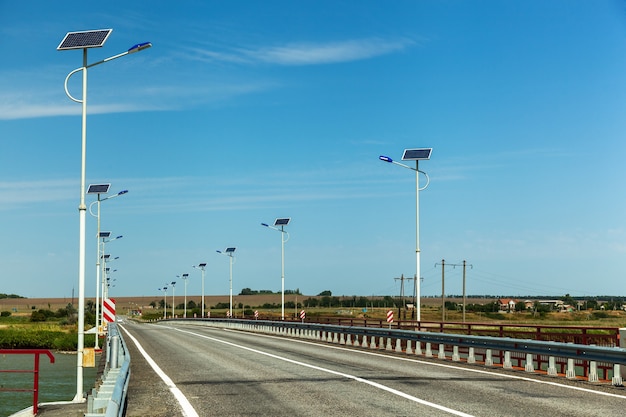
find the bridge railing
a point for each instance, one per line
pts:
(108, 398)
(35, 371)
(573, 360)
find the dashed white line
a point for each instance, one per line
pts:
(330, 371)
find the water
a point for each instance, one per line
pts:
(57, 381)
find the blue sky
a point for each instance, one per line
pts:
(246, 111)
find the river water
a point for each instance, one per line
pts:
(57, 381)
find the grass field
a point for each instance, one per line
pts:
(431, 309)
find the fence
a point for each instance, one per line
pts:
(35, 371)
(572, 360)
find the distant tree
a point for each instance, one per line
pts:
(247, 291)
(520, 306)
(326, 293)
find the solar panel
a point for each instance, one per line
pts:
(98, 188)
(230, 250)
(416, 154)
(282, 222)
(84, 39)
(105, 234)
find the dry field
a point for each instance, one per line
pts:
(123, 304)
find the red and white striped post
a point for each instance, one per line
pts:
(108, 312)
(390, 317)
(302, 315)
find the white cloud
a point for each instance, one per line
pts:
(333, 52)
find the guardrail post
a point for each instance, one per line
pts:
(617, 375)
(471, 357)
(552, 366)
(488, 358)
(409, 350)
(593, 371)
(398, 346)
(429, 351)
(418, 348)
(530, 366)
(442, 351)
(455, 354)
(388, 345)
(507, 361)
(114, 345)
(373, 342)
(364, 341)
(570, 373)
(348, 340)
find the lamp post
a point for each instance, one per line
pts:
(164, 289)
(105, 259)
(99, 189)
(230, 253)
(173, 283)
(279, 224)
(415, 155)
(202, 267)
(185, 277)
(85, 40)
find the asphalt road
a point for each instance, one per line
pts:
(214, 372)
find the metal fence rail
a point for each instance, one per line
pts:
(463, 347)
(108, 398)
(35, 371)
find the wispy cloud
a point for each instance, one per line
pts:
(328, 53)
(309, 53)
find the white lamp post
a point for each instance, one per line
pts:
(230, 253)
(85, 40)
(173, 283)
(99, 189)
(202, 267)
(185, 277)
(164, 289)
(279, 224)
(415, 155)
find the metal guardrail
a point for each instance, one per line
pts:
(35, 371)
(413, 341)
(108, 398)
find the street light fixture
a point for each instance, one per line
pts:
(164, 289)
(416, 155)
(202, 267)
(99, 189)
(185, 277)
(173, 283)
(106, 238)
(279, 224)
(85, 40)
(230, 253)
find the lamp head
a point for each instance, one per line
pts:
(385, 158)
(139, 47)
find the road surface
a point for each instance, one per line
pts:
(204, 371)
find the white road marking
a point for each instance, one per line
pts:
(185, 405)
(330, 371)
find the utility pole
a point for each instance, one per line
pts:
(402, 279)
(443, 303)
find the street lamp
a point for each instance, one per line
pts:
(279, 224)
(99, 189)
(164, 289)
(105, 239)
(173, 283)
(230, 252)
(415, 155)
(202, 267)
(185, 277)
(85, 40)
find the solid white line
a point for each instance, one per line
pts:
(330, 371)
(185, 405)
